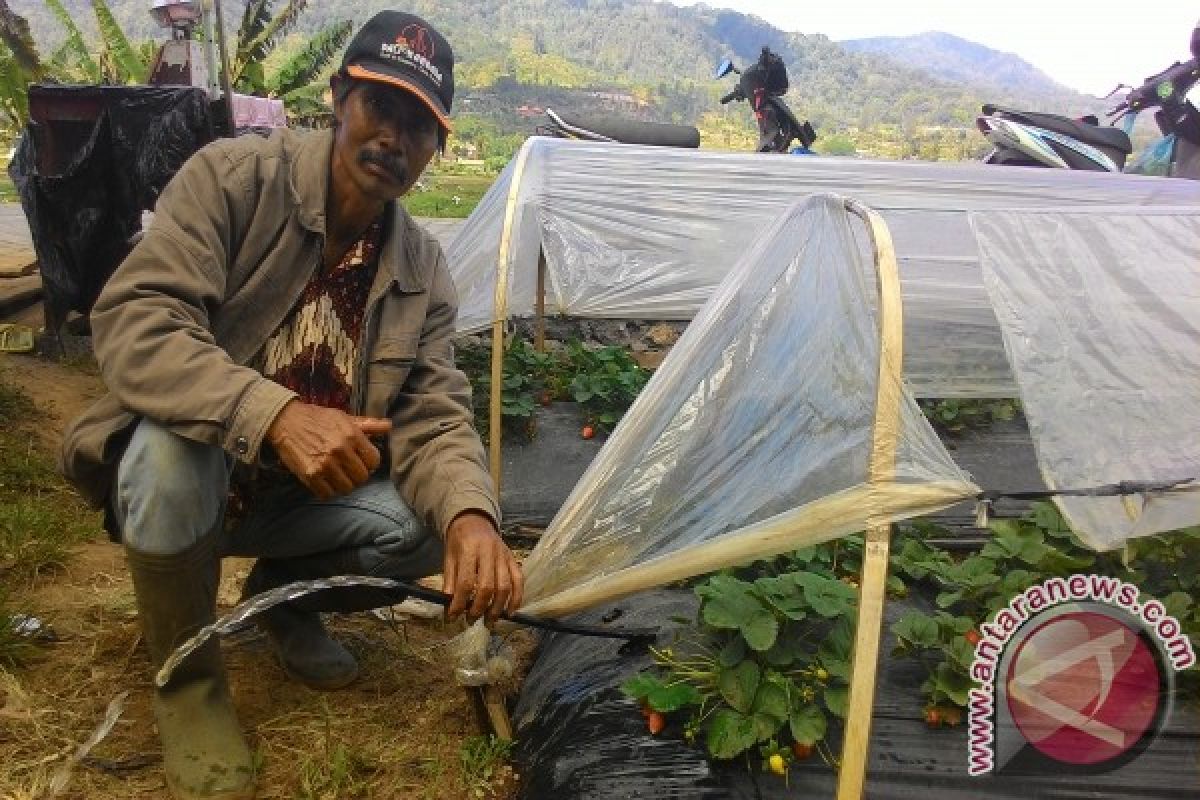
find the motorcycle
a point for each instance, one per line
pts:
(604, 128)
(1024, 138)
(763, 85)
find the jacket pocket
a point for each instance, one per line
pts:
(388, 367)
(391, 359)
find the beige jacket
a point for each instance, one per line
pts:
(236, 236)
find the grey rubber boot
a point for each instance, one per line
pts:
(306, 651)
(205, 756)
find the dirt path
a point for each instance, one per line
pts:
(397, 733)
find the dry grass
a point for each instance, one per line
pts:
(404, 730)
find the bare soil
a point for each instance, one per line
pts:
(396, 733)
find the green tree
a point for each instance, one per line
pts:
(295, 81)
(120, 61)
(19, 65)
(74, 55)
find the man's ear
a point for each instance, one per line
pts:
(337, 88)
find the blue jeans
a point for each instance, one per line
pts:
(171, 492)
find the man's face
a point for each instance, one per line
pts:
(385, 139)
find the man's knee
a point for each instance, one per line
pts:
(170, 491)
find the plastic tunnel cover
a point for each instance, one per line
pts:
(1100, 310)
(754, 436)
(650, 232)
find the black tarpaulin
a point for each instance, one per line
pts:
(90, 161)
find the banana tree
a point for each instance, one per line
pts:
(297, 80)
(260, 32)
(120, 61)
(20, 64)
(74, 55)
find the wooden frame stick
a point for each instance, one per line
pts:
(881, 469)
(500, 317)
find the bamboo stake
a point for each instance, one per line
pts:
(813, 523)
(500, 316)
(881, 469)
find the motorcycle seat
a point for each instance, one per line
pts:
(1095, 135)
(631, 131)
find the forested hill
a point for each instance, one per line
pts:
(958, 60)
(655, 56)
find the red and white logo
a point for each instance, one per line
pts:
(417, 39)
(1083, 688)
(415, 49)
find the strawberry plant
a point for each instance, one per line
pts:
(769, 662)
(1021, 553)
(604, 381)
(956, 415)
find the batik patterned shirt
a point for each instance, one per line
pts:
(315, 350)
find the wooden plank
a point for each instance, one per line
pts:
(17, 262)
(18, 293)
(17, 256)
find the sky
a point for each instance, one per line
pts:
(1088, 46)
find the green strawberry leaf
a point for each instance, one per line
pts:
(772, 701)
(729, 734)
(808, 724)
(641, 685)
(673, 697)
(739, 685)
(836, 700)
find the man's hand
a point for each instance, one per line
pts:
(328, 450)
(479, 571)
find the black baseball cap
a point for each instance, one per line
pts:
(405, 51)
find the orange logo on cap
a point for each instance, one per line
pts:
(417, 39)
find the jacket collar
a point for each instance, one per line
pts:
(310, 178)
(310, 172)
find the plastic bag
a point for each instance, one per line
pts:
(474, 665)
(1155, 159)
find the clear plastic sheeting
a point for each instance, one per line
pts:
(755, 436)
(1100, 311)
(650, 232)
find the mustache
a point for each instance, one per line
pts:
(391, 164)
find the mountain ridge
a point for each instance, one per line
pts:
(959, 60)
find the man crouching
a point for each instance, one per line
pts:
(282, 385)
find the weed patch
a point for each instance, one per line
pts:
(484, 764)
(40, 519)
(447, 195)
